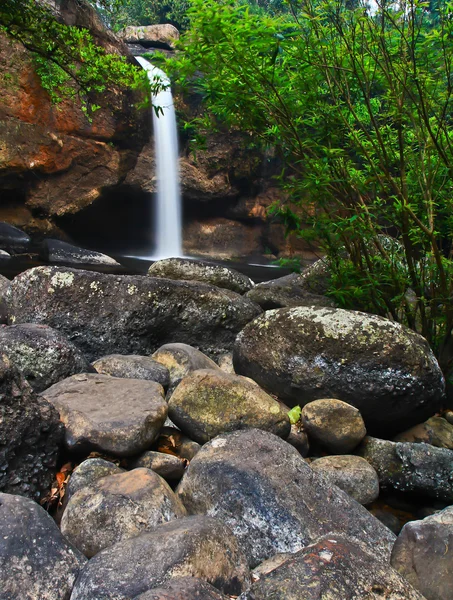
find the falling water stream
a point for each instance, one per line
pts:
(168, 222)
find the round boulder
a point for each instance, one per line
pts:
(381, 367)
(42, 354)
(352, 474)
(118, 507)
(197, 270)
(88, 473)
(335, 425)
(132, 367)
(36, 561)
(192, 546)
(180, 360)
(170, 467)
(207, 403)
(97, 416)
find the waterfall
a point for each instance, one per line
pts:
(168, 222)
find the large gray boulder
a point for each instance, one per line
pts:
(118, 507)
(197, 270)
(193, 546)
(406, 467)
(41, 353)
(36, 561)
(108, 414)
(209, 402)
(333, 568)
(381, 367)
(154, 36)
(30, 436)
(273, 501)
(423, 554)
(121, 314)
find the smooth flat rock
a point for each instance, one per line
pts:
(88, 473)
(93, 410)
(406, 467)
(381, 367)
(41, 353)
(352, 474)
(423, 554)
(13, 240)
(335, 425)
(132, 367)
(193, 546)
(170, 467)
(197, 270)
(56, 251)
(180, 360)
(333, 568)
(272, 500)
(36, 561)
(118, 507)
(30, 436)
(207, 403)
(123, 314)
(184, 588)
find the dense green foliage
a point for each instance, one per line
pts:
(68, 60)
(359, 107)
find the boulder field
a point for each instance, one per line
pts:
(173, 472)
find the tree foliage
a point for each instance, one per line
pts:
(359, 106)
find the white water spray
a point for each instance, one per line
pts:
(168, 226)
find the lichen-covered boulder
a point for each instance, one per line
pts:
(30, 436)
(287, 291)
(352, 474)
(189, 547)
(273, 501)
(423, 554)
(333, 568)
(132, 367)
(118, 507)
(407, 467)
(381, 367)
(337, 426)
(197, 270)
(108, 414)
(122, 314)
(42, 354)
(207, 403)
(36, 561)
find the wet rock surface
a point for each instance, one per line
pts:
(334, 567)
(92, 408)
(337, 426)
(36, 561)
(302, 354)
(207, 403)
(42, 354)
(56, 251)
(121, 314)
(273, 501)
(30, 436)
(132, 367)
(406, 467)
(423, 554)
(193, 546)
(12, 239)
(352, 474)
(118, 507)
(194, 270)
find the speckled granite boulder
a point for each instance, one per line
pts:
(197, 270)
(207, 403)
(36, 561)
(273, 501)
(96, 416)
(423, 554)
(405, 467)
(132, 367)
(41, 353)
(333, 568)
(382, 368)
(193, 546)
(30, 436)
(123, 314)
(118, 507)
